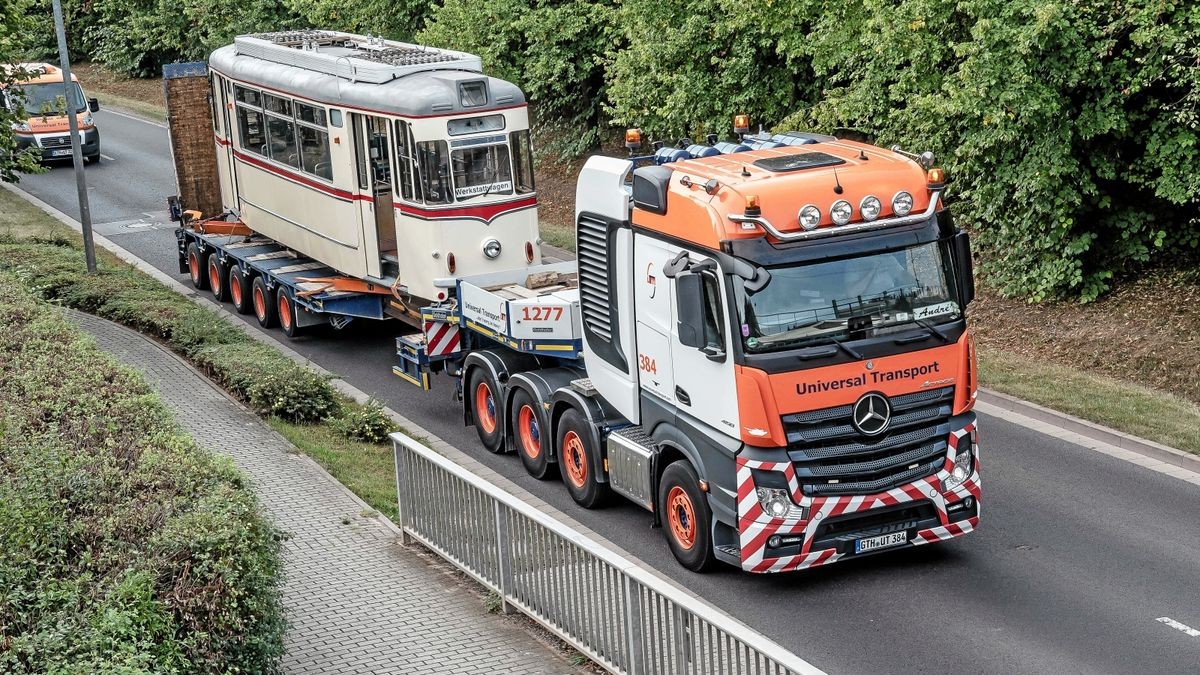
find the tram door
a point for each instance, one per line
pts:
(372, 142)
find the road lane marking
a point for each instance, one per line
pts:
(135, 117)
(106, 157)
(1183, 628)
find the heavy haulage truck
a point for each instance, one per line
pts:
(762, 342)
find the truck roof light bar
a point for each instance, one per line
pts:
(845, 229)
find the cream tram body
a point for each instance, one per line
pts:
(408, 175)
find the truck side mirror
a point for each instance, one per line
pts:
(94, 104)
(966, 270)
(689, 306)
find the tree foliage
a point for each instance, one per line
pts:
(1070, 128)
(14, 22)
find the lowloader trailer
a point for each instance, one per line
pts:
(762, 342)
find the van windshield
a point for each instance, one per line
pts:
(47, 100)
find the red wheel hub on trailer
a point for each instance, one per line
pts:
(530, 434)
(485, 407)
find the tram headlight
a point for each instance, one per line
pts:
(491, 248)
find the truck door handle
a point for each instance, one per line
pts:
(682, 396)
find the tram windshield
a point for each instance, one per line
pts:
(464, 170)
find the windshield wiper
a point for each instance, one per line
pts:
(854, 354)
(932, 329)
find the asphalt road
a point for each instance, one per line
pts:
(1077, 556)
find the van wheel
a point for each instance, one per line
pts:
(578, 459)
(263, 300)
(218, 279)
(531, 437)
(239, 291)
(287, 310)
(197, 264)
(686, 517)
(487, 409)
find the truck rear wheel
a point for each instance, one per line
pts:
(686, 517)
(530, 436)
(263, 300)
(578, 459)
(239, 291)
(287, 309)
(218, 279)
(487, 410)
(197, 260)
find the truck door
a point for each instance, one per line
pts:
(372, 145)
(705, 391)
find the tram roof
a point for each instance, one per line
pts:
(347, 70)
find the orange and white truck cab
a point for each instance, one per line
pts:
(41, 99)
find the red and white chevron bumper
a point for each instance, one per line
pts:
(756, 528)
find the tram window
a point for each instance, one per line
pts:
(335, 118)
(282, 134)
(213, 83)
(278, 106)
(310, 114)
(247, 96)
(250, 130)
(404, 159)
(314, 152)
(522, 161)
(434, 163)
(481, 170)
(381, 164)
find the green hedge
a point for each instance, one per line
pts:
(124, 546)
(256, 373)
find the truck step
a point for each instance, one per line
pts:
(584, 386)
(629, 461)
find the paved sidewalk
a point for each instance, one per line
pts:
(356, 601)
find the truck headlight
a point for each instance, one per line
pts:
(840, 212)
(809, 217)
(869, 207)
(961, 470)
(902, 203)
(777, 503)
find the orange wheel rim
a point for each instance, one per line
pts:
(235, 289)
(531, 437)
(194, 266)
(260, 303)
(682, 517)
(485, 407)
(285, 312)
(214, 276)
(575, 459)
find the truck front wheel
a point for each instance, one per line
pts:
(686, 517)
(487, 409)
(532, 439)
(577, 459)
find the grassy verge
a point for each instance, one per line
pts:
(1136, 410)
(125, 547)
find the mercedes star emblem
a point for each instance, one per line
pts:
(872, 414)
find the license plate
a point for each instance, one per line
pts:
(882, 541)
(60, 153)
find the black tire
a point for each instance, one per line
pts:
(239, 291)
(263, 301)
(286, 311)
(218, 279)
(577, 461)
(686, 517)
(489, 421)
(530, 435)
(197, 261)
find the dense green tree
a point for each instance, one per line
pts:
(14, 27)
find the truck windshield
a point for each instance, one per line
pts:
(852, 298)
(48, 99)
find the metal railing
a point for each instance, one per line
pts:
(606, 606)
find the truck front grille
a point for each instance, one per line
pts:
(832, 458)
